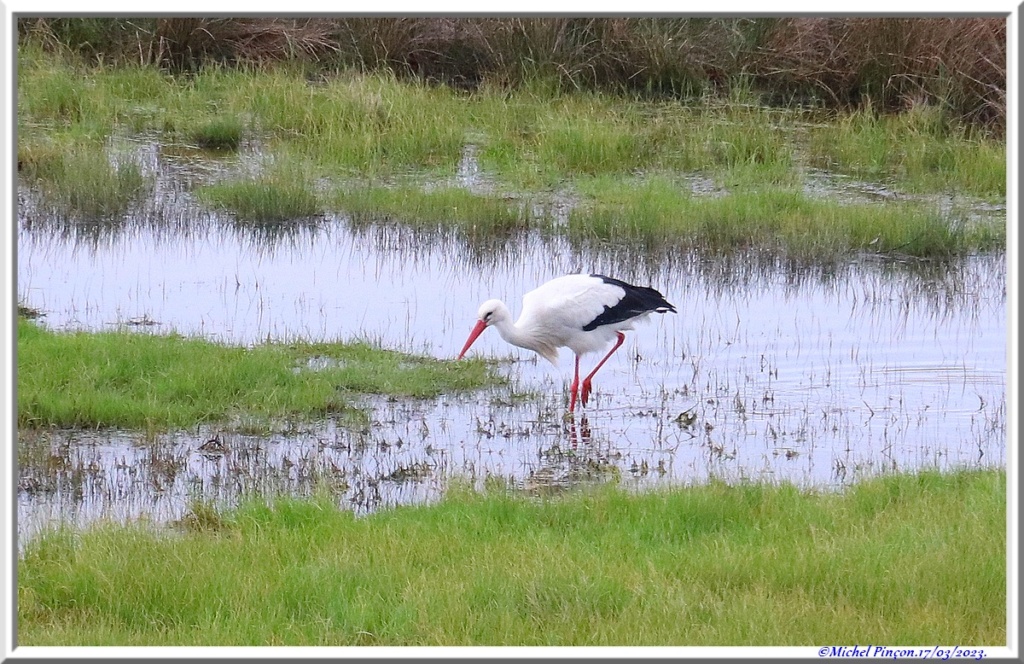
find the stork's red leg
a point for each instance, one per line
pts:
(575, 385)
(585, 392)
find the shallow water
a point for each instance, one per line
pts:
(769, 371)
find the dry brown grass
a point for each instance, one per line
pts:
(664, 55)
(897, 62)
(186, 43)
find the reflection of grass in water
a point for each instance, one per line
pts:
(448, 205)
(917, 558)
(135, 380)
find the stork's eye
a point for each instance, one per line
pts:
(487, 316)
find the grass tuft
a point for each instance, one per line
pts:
(913, 149)
(263, 198)
(80, 181)
(219, 134)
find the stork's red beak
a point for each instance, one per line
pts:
(480, 327)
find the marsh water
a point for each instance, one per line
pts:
(770, 371)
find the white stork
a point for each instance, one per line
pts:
(582, 312)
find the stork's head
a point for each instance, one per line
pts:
(490, 312)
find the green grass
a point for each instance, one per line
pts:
(133, 380)
(52, 90)
(442, 205)
(263, 198)
(80, 181)
(357, 125)
(901, 560)
(356, 135)
(541, 140)
(956, 65)
(281, 187)
(219, 134)
(914, 151)
(660, 210)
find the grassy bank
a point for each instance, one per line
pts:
(897, 560)
(377, 125)
(374, 146)
(136, 380)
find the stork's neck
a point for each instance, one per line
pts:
(511, 333)
(524, 337)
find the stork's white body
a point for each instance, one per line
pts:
(584, 313)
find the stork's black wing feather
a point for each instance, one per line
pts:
(636, 301)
